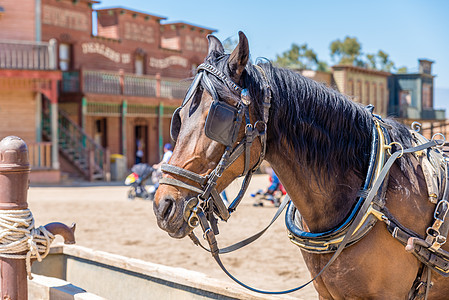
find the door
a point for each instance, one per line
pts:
(141, 138)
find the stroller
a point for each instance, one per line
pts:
(140, 173)
(273, 194)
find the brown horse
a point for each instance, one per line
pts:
(318, 143)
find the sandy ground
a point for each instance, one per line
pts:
(107, 221)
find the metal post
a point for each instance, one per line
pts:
(14, 170)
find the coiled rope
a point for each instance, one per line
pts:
(20, 240)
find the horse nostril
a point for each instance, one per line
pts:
(166, 207)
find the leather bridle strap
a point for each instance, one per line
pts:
(206, 185)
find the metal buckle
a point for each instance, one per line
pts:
(443, 211)
(389, 146)
(439, 143)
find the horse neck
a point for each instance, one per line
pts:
(323, 184)
(323, 203)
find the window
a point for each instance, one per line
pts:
(382, 101)
(359, 91)
(64, 57)
(367, 98)
(375, 100)
(138, 65)
(405, 98)
(427, 95)
(351, 87)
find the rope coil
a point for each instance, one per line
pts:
(20, 240)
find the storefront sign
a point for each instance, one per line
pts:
(97, 48)
(56, 16)
(196, 44)
(138, 32)
(167, 62)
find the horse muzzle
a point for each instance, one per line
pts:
(170, 213)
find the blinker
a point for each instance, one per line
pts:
(223, 120)
(192, 88)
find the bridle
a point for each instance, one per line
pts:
(222, 125)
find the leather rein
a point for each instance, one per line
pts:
(201, 210)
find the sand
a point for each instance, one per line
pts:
(107, 221)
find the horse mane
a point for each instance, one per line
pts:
(327, 131)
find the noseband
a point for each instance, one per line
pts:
(222, 125)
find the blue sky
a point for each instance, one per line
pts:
(406, 30)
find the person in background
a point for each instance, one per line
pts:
(139, 152)
(168, 151)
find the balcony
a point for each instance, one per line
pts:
(119, 83)
(23, 55)
(433, 114)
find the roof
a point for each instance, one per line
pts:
(361, 70)
(126, 10)
(181, 23)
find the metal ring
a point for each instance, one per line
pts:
(436, 141)
(416, 126)
(193, 220)
(248, 128)
(395, 143)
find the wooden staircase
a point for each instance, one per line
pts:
(91, 159)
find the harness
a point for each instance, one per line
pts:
(222, 125)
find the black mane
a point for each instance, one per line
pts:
(328, 132)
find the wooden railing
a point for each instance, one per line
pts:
(119, 83)
(40, 155)
(28, 55)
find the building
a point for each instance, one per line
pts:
(411, 95)
(117, 88)
(319, 76)
(29, 73)
(366, 86)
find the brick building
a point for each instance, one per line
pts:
(119, 85)
(366, 86)
(28, 72)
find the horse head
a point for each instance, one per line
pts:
(213, 125)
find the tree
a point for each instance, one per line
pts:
(371, 61)
(300, 57)
(385, 63)
(346, 52)
(229, 44)
(402, 70)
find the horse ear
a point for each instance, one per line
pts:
(214, 44)
(239, 57)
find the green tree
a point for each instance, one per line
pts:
(229, 44)
(346, 52)
(371, 61)
(385, 63)
(402, 70)
(300, 57)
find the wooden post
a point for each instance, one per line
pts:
(161, 130)
(14, 172)
(123, 127)
(107, 165)
(158, 85)
(91, 164)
